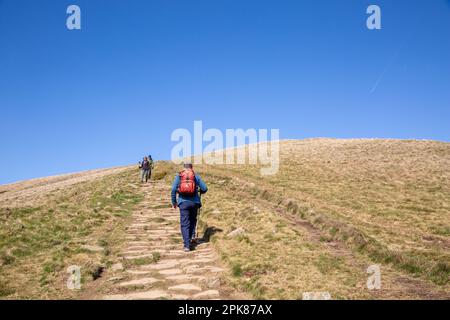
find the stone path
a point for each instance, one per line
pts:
(153, 264)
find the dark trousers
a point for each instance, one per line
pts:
(188, 220)
(145, 175)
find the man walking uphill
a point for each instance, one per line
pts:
(187, 184)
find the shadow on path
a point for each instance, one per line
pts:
(207, 234)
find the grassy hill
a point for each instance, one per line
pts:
(334, 208)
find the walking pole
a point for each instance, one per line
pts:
(198, 214)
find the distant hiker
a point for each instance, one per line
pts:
(145, 168)
(187, 184)
(150, 160)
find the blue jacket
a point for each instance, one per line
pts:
(181, 198)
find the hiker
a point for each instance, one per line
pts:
(150, 160)
(145, 167)
(188, 184)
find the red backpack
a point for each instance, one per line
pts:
(187, 185)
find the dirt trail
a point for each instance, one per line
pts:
(152, 264)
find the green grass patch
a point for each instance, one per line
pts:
(326, 263)
(156, 256)
(236, 270)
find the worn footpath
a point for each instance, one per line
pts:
(152, 264)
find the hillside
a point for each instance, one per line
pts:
(334, 208)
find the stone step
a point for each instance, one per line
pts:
(139, 272)
(160, 265)
(138, 282)
(136, 252)
(186, 287)
(170, 271)
(200, 260)
(139, 256)
(185, 277)
(145, 295)
(208, 294)
(137, 248)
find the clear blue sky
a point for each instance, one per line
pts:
(115, 90)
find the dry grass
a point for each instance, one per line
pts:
(385, 200)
